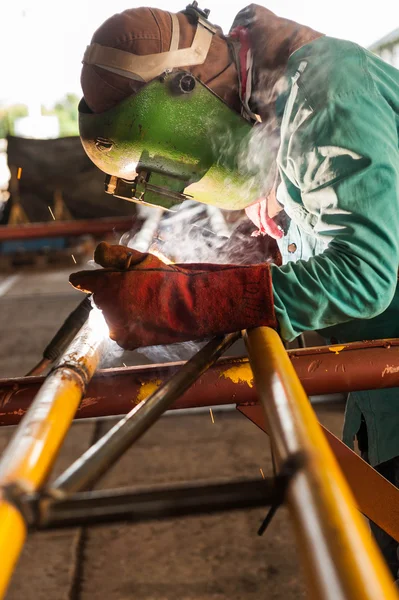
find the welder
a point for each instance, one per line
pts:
(276, 118)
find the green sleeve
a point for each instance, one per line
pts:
(341, 164)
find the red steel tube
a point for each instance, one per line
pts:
(64, 228)
(322, 370)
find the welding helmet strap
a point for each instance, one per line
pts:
(144, 68)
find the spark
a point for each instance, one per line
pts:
(51, 212)
(74, 259)
(19, 173)
(262, 473)
(161, 256)
(98, 323)
(213, 420)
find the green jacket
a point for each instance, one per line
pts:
(339, 168)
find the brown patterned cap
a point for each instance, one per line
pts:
(144, 31)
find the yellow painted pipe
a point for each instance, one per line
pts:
(12, 538)
(341, 559)
(29, 457)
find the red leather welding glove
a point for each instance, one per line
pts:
(147, 302)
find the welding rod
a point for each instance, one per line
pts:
(64, 336)
(87, 469)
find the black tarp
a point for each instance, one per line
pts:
(59, 164)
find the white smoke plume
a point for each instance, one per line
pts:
(172, 352)
(111, 354)
(200, 234)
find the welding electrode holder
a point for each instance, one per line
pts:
(68, 330)
(64, 336)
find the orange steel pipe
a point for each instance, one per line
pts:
(322, 370)
(342, 561)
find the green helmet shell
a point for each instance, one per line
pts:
(173, 140)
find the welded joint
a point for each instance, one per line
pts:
(33, 507)
(26, 504)
(77, 372)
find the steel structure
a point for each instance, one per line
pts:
(341, 559)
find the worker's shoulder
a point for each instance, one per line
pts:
(329, 68)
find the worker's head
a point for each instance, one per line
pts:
(112, 70)
(162, 113)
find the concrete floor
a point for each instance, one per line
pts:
(214, 557)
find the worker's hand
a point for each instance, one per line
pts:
(146, 302)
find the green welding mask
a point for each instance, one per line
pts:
(174, 139)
